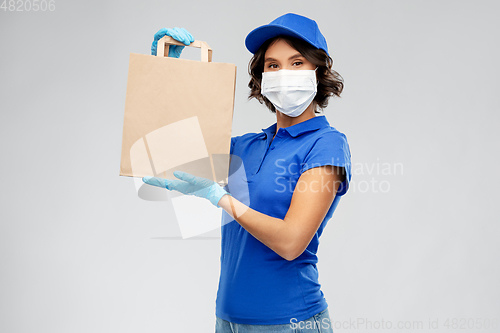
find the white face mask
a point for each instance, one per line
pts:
(290, 91)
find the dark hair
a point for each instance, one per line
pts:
(330, 83)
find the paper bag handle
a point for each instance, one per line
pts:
(165, 41)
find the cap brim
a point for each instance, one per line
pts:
(259, 35)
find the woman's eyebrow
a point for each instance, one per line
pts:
(297, 55)
(269, 59)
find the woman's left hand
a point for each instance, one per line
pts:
(191, 185)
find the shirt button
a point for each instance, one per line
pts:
(272, 148)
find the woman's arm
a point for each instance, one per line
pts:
(311, 200)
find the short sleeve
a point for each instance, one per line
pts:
(331, 148)
(231, 149)
(233, 142)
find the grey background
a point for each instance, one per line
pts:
(80, 252)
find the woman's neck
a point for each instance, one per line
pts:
(283, 120)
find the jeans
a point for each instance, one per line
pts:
(319, 323)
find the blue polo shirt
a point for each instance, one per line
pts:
(256, 285)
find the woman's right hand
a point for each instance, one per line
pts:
(179, 34)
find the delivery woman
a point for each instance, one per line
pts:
(295, 172)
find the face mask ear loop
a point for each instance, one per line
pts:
(316, 75)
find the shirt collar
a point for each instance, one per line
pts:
(300, 128)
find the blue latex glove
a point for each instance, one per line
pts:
(191, 185)
(179, 34)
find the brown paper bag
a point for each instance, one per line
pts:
(178, 115)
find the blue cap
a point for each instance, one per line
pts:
(289, 25)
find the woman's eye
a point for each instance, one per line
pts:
(297, 63)
(272, 66)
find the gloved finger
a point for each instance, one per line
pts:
(160, 33)
(181, 35)
(187, 37)
(191, 38)
(169, 184)
(180, 185)
(175, 34)
(153, 48)
(174, 184)
(159, 182)
(175, 51)
(185, 176)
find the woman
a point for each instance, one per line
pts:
(295, 172)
